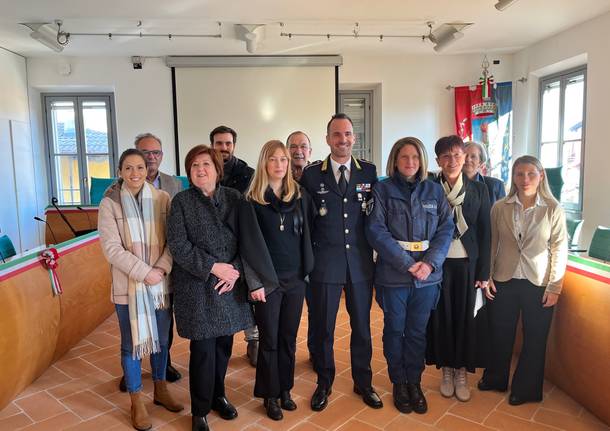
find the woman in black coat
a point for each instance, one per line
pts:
(275, 248)
(210, 302)
(452, 329)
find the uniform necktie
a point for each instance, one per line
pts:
(342, 180)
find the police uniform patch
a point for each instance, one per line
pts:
(369, 206)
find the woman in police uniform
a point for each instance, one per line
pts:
(410, 226)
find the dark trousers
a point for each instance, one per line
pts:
(405, 316)
(278, 322)
(311, 321)
(513, 297)
(207, 370)
(358, 299)
(170, 339)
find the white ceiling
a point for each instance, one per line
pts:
(523, 24)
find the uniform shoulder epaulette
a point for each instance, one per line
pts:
(316, 163)
(366, 162)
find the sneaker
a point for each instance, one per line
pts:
(447, 386)
(462, 391)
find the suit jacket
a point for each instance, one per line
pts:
(544, 253)
(477, 239)
(169, 184)
(338, 239)
(240, 176)
(495, 187)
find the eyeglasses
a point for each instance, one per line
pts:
(154, 153)
(299, 147)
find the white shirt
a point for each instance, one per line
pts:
(523, 219)
(335, 167)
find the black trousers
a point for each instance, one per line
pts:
(358, 299)
(513, 297)
(278, 322)
(207, 370)
(170, 339)
(310, 321)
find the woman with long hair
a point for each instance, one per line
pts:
(529, 250)
(276, 251)
(132, 228)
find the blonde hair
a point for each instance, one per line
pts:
(543, 188)
(260, 182)
(421, 151)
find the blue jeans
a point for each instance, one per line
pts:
(158, 361)
(406, 311)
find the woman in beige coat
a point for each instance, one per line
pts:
(529, 251)
(131, 224)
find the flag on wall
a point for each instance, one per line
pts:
(484, 115)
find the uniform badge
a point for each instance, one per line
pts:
(322, 190)
(369, 206)
(363, 187)
(323, 210)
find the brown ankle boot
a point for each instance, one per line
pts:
(139, 414)
(164, 398)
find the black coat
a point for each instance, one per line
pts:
(239, 176)
(198, 235)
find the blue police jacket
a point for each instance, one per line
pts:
(339, 243)
(399, 215)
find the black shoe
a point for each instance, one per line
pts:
(515, 400)
(172, 375)
(199, 423)
(286, 401)
(483, 385)
(401, 398)
(273, 409)
(370, 397)
(224, 408)
(416, 398)
(319, 399)
(122, 385)
(252, 352)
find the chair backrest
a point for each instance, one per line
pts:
(600, 244)
(98, 187)
(7, 249)
(553, 175)
(185, 182)
(574, 227)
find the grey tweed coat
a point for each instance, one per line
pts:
(198, 237)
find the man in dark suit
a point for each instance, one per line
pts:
(341, 187)
(237, 175)
(150, 145)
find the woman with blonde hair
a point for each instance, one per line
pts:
(529, 250)
(275, 248)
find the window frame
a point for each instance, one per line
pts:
(78, 99)
(563, 78)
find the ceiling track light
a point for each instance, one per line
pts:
(503, 4)
(44, 33)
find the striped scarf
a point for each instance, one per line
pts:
(143, 231)
(456, 196)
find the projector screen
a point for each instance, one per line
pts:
(259, 103)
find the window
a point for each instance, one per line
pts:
(357, 105)
(81, 143)
(562, 125)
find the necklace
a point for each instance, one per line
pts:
(282, 217)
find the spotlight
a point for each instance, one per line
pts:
(446, 38)
(44, 33)
(503, 4)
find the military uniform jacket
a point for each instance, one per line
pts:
(338, 240)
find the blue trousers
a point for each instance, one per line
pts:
(405, 316)
(132, 368)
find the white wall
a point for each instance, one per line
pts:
(585, 43)
(414, 101)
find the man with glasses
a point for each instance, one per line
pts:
(299, 147)
(150, 145)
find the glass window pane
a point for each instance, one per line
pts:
(573, 107)
(62, 124)
(98, 167)
(571, 172)
(548, 155)
(68, 180)
(96, 127)
(550, 112)
(354, 107)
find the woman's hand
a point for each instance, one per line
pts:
(489, 288)
(258, 295)
(224, 286)
(420, 270)
(226, 272)
(549, 299)
(154, 276)
(481, 284)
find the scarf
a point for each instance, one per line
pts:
(143, 232)
(456, 196)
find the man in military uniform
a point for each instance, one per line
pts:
(237, 175)
(340, 186)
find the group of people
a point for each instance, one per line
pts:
(243, 249)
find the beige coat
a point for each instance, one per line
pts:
(123, 263)
(544, 253)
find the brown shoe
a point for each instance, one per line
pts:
(139, 414)
(163, 398)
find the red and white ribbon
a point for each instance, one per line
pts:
(50, 256)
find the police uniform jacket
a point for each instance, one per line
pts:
(397, 214)
(338, 239)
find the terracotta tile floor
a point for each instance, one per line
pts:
(80, 392)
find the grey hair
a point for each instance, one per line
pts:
(482, 150)
(144, 136)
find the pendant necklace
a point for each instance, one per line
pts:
(282, 217)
